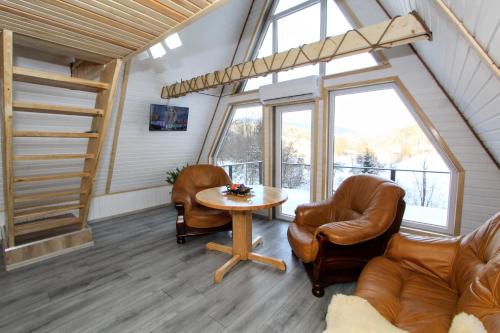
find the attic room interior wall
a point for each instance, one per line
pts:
(242, 54)
(469, 81)
(482, 191)
(142, 157)
(482, 178)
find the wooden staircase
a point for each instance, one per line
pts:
(41, 224)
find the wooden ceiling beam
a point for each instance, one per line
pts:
(71, 26)
(142, 16)
(149, 12)
(397, 31)
(165, 10)
(39, 32)
(59, 49)
(188, 5)
(94, 30)
(177, 7)
(180, 26)
(63, 7)
(200, 3)
(101, 8)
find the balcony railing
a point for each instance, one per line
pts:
(244, 172)
(391, 170)
(427, 191)
(250, 172)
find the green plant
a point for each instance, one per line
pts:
(173, 174)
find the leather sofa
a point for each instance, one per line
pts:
(193, 218)
(421, 283)
(335, 238)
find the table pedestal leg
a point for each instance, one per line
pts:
(257, 241)
(219, 274)
(242, 246)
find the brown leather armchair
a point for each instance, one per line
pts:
(421, 283)
(193, 218)
(335, 238)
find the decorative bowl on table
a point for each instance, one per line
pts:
(238, 189)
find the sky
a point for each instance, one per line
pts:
(371, 113)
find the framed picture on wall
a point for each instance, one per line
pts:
(168, 118)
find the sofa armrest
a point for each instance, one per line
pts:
(347, 232)
(424, 254)
(183, 198)
(314, 214)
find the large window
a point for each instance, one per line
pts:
(239, 150)
(375, 132)
(297, 22)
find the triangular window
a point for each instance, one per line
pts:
(297, 22)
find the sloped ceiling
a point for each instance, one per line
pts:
(467, 79)
(103, 29)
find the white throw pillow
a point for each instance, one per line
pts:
(353, 314)
(466, 323)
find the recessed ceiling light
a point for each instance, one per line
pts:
(157, 51)
(173, 41)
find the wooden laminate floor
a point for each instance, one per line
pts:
(137, 279)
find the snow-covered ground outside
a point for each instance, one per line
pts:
(413, 213)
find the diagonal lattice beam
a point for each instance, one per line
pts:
(397, 31)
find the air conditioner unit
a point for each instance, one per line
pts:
(302, 89)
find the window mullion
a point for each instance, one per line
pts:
(323, 20)
(275, 45)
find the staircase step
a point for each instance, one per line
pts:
(46, 195)
(43, 211)
(50, 177)
(55, 109)
(45, 224)
(51, 157)
(23, 74)
(38, 134)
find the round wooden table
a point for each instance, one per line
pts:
(261, 197)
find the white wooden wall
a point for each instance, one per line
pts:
(143, 156)
(482, 179)
(467, 79)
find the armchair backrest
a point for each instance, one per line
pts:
(476, 252)
(367, 197)
(476, 274)
(195, 178)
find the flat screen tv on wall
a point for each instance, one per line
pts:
(168, 118)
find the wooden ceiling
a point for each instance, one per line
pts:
(98, 30)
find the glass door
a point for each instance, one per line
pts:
(293, 134)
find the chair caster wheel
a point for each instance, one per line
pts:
(318, 291)
(181, 240)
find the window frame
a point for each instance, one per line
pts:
(456, 171)
(271, 22)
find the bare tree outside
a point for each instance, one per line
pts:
(293, 167)
(241, 149)
(425, 187)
